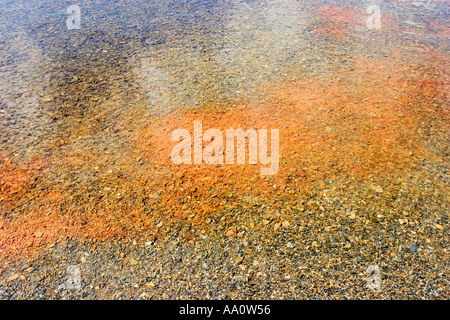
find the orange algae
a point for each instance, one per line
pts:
(367, 125)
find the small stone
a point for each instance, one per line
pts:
(239, 260)
(156, 195)
(133, 262)
(379, 189)
(38, 234)
(289, 245)
(229, 233)
(189, 237)
(12, 277)
(439, 226)
(29, 270)
(315, 244)
(348, 246)
(413, 247)
(285, 223)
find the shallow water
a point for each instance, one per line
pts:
(80, 109)
(189, 53)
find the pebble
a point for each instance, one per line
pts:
(12, 277)
(379, 189)
(285, 223)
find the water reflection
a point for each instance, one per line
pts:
(85, 115)
(183, 54)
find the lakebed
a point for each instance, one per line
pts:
(87, 182)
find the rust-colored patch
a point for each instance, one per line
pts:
(368, 125)
(361, 128)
